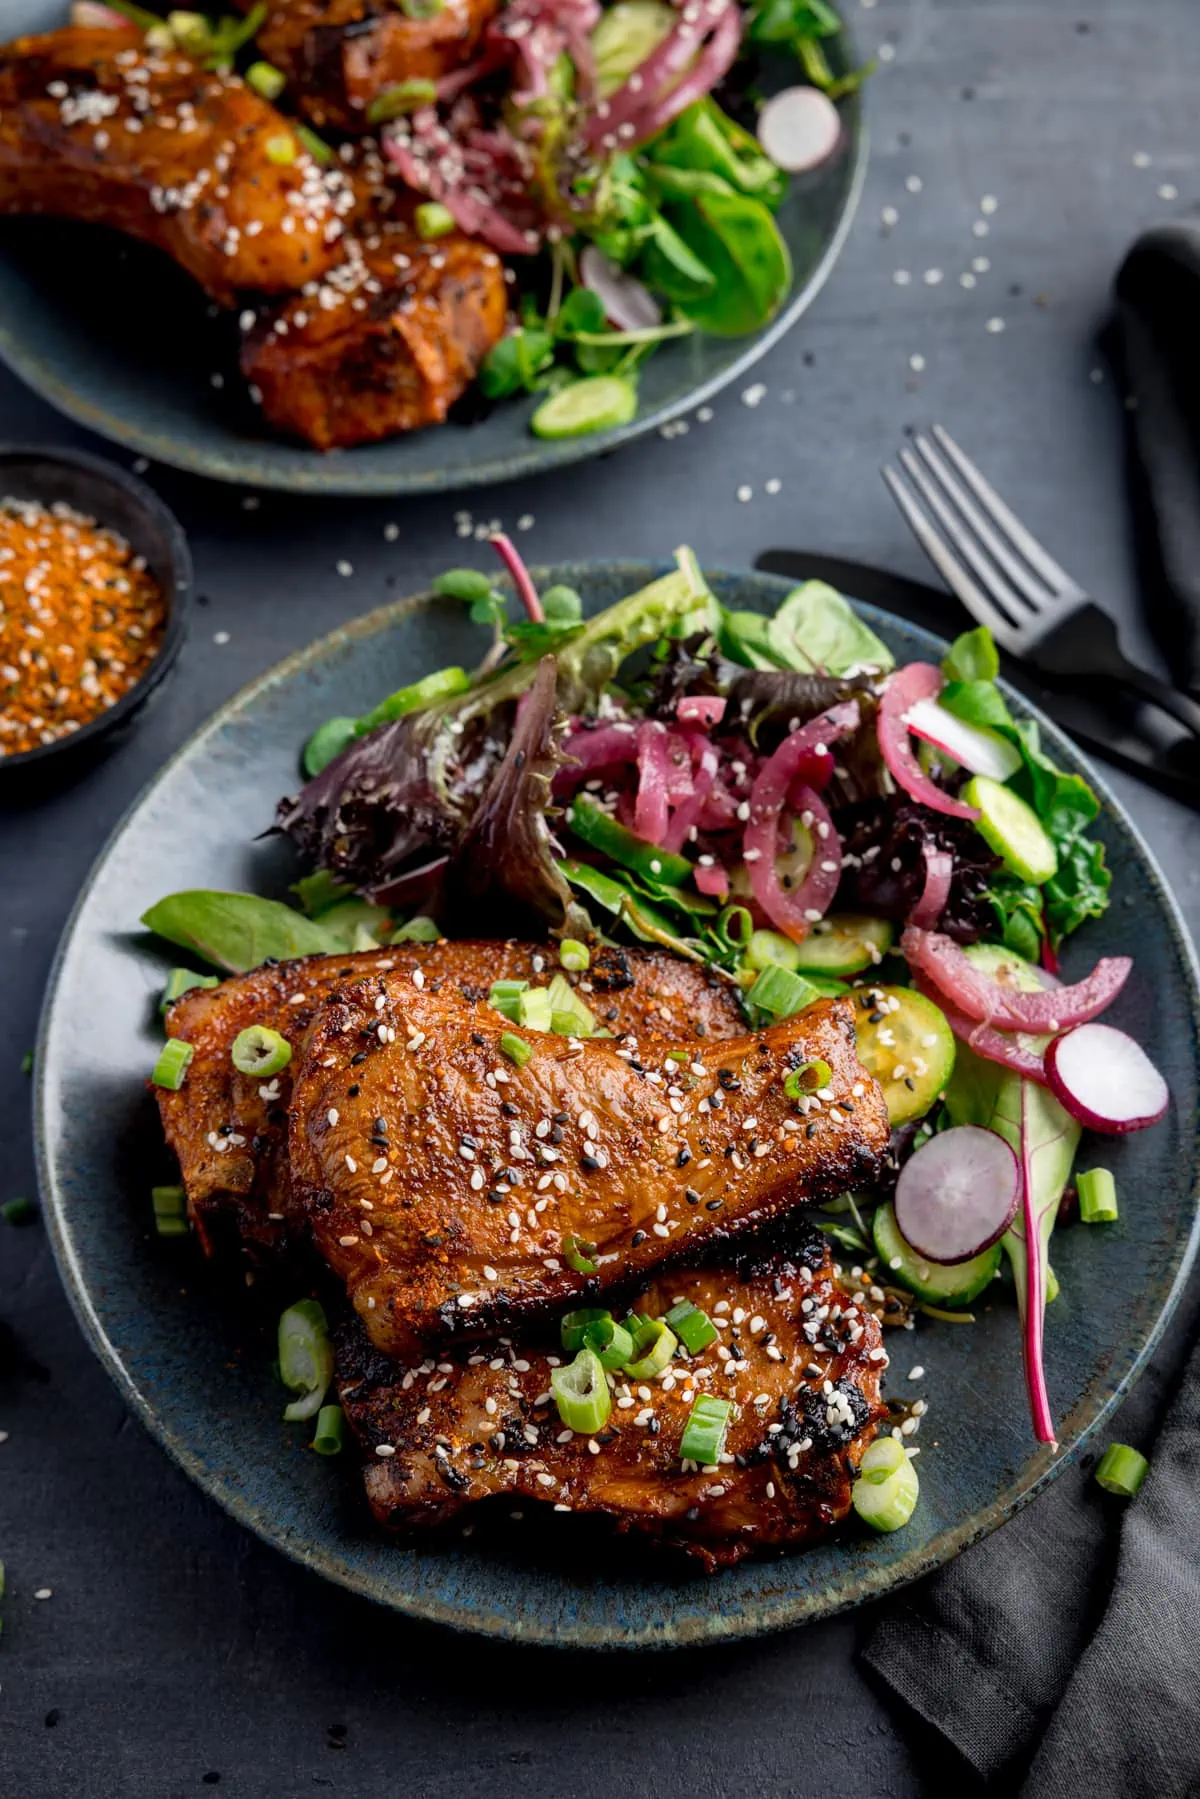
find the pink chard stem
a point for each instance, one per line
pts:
(1035, 1305)
(526, 592)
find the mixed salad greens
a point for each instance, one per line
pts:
(631, 157)
(774, 797)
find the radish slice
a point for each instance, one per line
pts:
(1106, 1080)
(994, 1046)
(628, 305)
(799, 129)
(943, 963)
(939, 872)
(701, 709)
(958, 1194)
(916, 681)
(984, 752)
(89, 14)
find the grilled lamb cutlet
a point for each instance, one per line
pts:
(94, 126)
(802, 1365)
(340, 55)
(390, 339)
(455, 1191)
(229, 1132)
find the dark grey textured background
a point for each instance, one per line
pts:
(175, 1651)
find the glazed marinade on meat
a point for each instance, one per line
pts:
(229, 1132)
(797, 1354)
(391, 339)
(94, 126)
(452, 1191)
(340, 55)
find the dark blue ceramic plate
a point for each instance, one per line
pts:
(130, 351)
(201, 1380)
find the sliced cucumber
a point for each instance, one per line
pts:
(606, 834)
(905, 1042)
(1013, 829)
(1001, 964)
(846, 943)
(598, 403)
(933, 1282)
(768, 947)
(625, 36)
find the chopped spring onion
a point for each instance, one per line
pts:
(400, 97)
(330, 1433)
(694, 1328)
(534, 1009)
(433, 219)
(1122, 1470)
(281, 149)
(418, 930)
(581, 1393)
(574, 955)
(266, 80)
(575, 1326)
(704, 1433)
(886, 1491)
(27, 1062)
(172, 1064)
(170, 1211)
(808, 1079)
(577, 1254)
(778, 992)
(316, 146)
(611, 1342)
(442, 684)
(653, 1345)
(735, 927)
(181, 981)
(18, 1211)
(569, 1016)
(505, 997)
(1097, 1197)
(305, 1357)
(516, 1049)
(260, 1052)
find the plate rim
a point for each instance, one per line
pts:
(714, 1626)
(334, 473)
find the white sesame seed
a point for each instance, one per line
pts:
(914, 184)
(889, 215)
(1168, 191)
(916, 364)
(745, 493)
(1141, 160)
(902, 277)
(979, 228)
(989, 203)
(385, 1449)
(343, 567)
(933, 277)
(995, 326)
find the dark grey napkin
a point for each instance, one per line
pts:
(1058, 1657)
(1158, 344)
(1062, 1649)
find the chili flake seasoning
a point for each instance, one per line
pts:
(81, 620)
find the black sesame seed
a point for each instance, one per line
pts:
(590, 1164)
(910, 1083)
(875, 1018)
(479, 1040)
(716, 1101)
(683, 1158)
(352, 1091)
(714, 1205)
(360, 1057)
(810, 1130)
(691, 1195)
(637, 1237)
(654, 1427)
(494, 1198)
(381, 1126)
(508, 1109)
(562, 1118)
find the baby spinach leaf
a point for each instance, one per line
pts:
(514, 364)
(670, 268)
(736, 238)
(703, 137)
(972, 657)
(239, 931)
(816, 629)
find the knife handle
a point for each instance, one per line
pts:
(1085, 647)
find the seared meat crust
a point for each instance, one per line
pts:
(339, 55)
(388, 344)
(452, 1191)
(93, 126)
(229, 1132)
(441, 1436)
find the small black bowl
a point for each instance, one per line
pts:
(116, 499)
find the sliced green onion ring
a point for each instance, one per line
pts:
(418, 930)
(886, 1492)
(172, 1065)
(611, 1342)
(534, 1010)
(181, 981)
(574, 955)
(305, 1357)
(330, 1433)
(1122, 1470)
(808, 1079)
(694, 1328)
(581, 1393)
(516, 1049)
(170, 1211)
(505, 997)
(575, 1325)
(735, 927)
(653, 1345)
(577, 1254)
(779, 992)
(1097, 1197)
(260, 1052)
(703, 1437)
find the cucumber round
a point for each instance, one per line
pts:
(905, 1042)
(846, 943)
(1013, 829)
(1001, 964)
(597, 403)
(933, 1282)
(770, 947)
